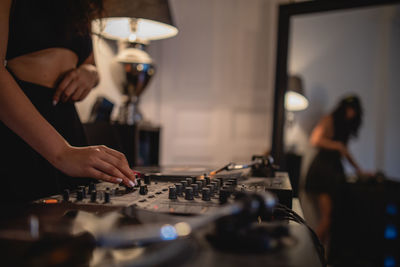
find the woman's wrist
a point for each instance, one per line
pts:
(92, 70)
(57, 156)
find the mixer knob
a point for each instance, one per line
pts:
(66, 195)
(92, 187)
(189, 181)
(233, 181)
(143, 190)
(212, 189)
(79, 195)
(172, 192)
(199, 184)
(229, 185)
(205, 192)
(224, 195)
(83, 189)
(93, 196)
(147, 179)
(220, 182)
(128, 189)
(138, 182)
(216, 187)
(208, 180)
(195, 189)
(107, 196)
(179, 189)
(189, 193)
(184, 183)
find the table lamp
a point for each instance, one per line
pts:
(134, 23)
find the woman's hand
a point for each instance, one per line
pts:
(99, 162)
(342, 149)
(76, 84)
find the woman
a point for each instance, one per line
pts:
(326, 173)
(49, 65)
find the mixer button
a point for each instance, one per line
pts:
(142, 200)
(151, 196)
(189, 193)
(143, 190)
(195, 189)
(158, 192)
(165, 189)
(205, 192)
(172, 193)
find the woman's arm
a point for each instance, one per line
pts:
(322, 134)
(19, 114)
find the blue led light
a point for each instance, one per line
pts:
(391, 209)
(168, 232)
(390, 232)
(389, 262)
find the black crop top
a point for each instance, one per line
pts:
(40, 24)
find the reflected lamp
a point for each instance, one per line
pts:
(295, 99)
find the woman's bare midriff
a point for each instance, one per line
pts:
(45, 67)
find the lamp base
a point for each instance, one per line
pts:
(129, 113)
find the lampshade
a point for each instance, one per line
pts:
(294, 97)
(136, 20)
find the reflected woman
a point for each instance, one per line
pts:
(326, 172)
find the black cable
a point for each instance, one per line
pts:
(283, 212)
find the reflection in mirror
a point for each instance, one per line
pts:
(341, 52)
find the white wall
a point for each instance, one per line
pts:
(213, 88)
(350, 52)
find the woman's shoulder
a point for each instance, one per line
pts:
(326, 119)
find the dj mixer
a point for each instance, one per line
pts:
(178, 193)
(172, 217)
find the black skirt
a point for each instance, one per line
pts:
(25, 174)
(326, 173)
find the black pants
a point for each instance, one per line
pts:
(25, 175)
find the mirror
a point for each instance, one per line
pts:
(339, 49)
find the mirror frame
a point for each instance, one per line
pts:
(286, 12)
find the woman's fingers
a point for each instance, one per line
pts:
(120, 162)
(104, 177)
(115, 162)
(110, 170)
(64, 84)
(69, 91)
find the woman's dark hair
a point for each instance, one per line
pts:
(81, 13)
(346, 128)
